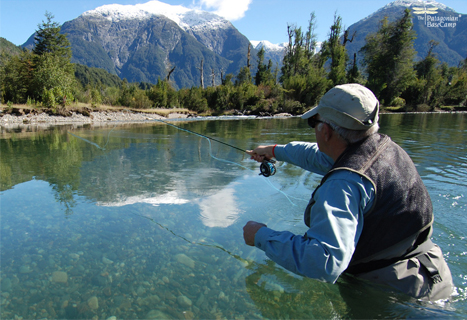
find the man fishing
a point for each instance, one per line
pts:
(371, 216)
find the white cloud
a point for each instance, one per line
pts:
(229, 9)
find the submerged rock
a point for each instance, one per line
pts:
(184, 301)
(157, 314)
(59, 276)
(25, 269)
(106, 260)
(93, 303)
(184, 259)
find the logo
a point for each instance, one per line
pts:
(432, 20)
(425, 10)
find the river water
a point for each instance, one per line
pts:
(145, 222)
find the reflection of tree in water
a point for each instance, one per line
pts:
(48, 156)
(149, 159)
(66, 196)
(151, 169)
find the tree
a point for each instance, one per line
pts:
(16, 74)
(264, 74)
(335, 51)
(53, 77)
(388, 57)
(244, 76)
(303, 76)
(353, 73)
(428, 73)
(48, 39)
(300, 50)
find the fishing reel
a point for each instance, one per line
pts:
(267, 168)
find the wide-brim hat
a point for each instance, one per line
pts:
(351, 106)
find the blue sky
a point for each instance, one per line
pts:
(256, 19)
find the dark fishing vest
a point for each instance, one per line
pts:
(402, 208)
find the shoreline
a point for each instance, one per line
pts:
(44, 121)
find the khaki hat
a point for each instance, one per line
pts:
(350, 106)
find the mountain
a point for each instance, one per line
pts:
(8, 49)
(437, 24)
(432, 21)
(273, 52)
(143, 42)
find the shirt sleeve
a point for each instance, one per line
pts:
(305, 155)
(336, 223)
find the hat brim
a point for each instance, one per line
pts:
(310, 113)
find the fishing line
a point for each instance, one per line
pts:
(93, 143)
(215, 246)
(267, 167)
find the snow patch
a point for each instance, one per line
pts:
(417, 3)
(186, 18)
(268, 45)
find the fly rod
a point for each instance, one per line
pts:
(267, 167)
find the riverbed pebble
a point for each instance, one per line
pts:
(59, 276)
(184, 301)
(184, 259)
(93, 303)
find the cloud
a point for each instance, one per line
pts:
(229, 9)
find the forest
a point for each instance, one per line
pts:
(45, 77)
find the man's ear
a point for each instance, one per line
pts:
(327, 132)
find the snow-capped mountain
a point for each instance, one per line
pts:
(185, 18)
(452, 38)
(143, 42)
(417, 3)
(268, 46)
(273, 52)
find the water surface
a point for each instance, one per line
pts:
(145, 222)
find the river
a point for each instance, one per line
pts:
(145, 222)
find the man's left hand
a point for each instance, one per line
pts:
(249, 231)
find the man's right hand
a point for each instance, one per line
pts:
(261, 153)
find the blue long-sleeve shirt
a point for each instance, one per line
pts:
(336, 219)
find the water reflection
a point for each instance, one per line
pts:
(220, 209)
(150, 227)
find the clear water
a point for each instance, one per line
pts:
(149, 225)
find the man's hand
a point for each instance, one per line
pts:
(249, 231)
(261, 153)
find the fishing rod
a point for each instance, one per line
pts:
(267, 167)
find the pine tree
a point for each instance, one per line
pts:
(388, 57)
(303, 76)
(48, 39)
(244, 76)
(300, 51)
(53, 77)
(264, 74)
(335, 51)
(429, 74)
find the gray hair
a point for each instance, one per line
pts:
(348, 135)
